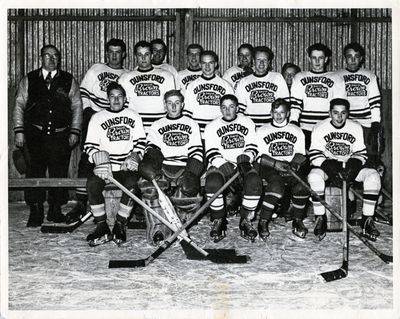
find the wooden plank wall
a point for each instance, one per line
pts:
(81, 34)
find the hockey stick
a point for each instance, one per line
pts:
(342, 271)
(387, 194)
(169, 241)
(65, 229)
(386, 258)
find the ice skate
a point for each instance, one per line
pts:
(100, 235)
(263, 230)
(298, 228)
(369, 229)
(247, 230)
(119, 233)
(158, 237)
(218, 229)
(320, 226)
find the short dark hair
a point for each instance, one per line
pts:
(48, 46)
(116, 43)
(209, 52)
(229, 97)
(194, 46)
(339, 101)
(143, 44)
(356, 47)
(319, 47)
(246, 46)
(290, 65)
(177, 93)
(158, 41)
(280, 102)
(115, 86)
(266, 50)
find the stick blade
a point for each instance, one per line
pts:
(386, 258)
(127, 263)
(54, 229)
(336, 274)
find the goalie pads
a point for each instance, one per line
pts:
(103, 165)
(185, 206)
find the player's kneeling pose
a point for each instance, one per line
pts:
(174, 153)
(115, 144)
(281, 147)
(230, 145)
(333, 141)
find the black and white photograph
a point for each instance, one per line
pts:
(200, 160)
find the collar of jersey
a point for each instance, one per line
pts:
(146, 70)
(338, 127)
(322, 72)
(226, 121)
(112, 111)
(208, 79)
(173, 119)
(260, 76)
(353, 71)
(194, 70)
(279, 125)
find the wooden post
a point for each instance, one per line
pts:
(354, 26)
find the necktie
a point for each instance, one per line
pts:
(48, 80)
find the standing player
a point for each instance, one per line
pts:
(229, 141)
(94, 99)
(281, 147)
(174, 151)
(193, 71)
(159, 51)
(146, 86)
(333, 141)
(203, 95)
(364, 97)
(244, 67)
(312, 90)
(257, 91)
(289, 70)
(115, 144)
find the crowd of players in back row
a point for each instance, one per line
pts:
(157, 124)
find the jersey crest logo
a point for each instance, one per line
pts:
(338, 149)
(208, 98)
(356, 89)
(104, 84)
(281, 149)
(262, 96)
(317, 90)
(176, 139)
(118, 133)
(232, 141)
(147, 89)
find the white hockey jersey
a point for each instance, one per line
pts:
(225, 141)
(233, 75)
(187, 76)
(340, 144)
(202, 99)
(280, 142)
(118, 133)
(171, 69)
(257, 93)
(177, 139)
(145, 92)
(363, 94)
(94, 85)
(310, 96)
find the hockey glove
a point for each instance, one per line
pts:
(243, 164)
(227, 169)
(298, 161)
(373, 136)
(151, 165)
(282, 166)
(332, 168)
(189, 184)
(353, 167)
(103, 165)
(131, 163)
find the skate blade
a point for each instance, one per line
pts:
(321, 237)
(369, 237)
(264, 238)
(248, 238)
(119, 242)
(301, 235)
(217, 239)
(100, 241)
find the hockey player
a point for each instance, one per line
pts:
(159, 51)
(281, 147)
(333, 141)
(364, 97)
(312, 90)
(244, 67)
(202, 97)
(174, 153)
(289, 70)
(193, 71)
(257, 91)
(115, 144)
(146, 86)
(229, 141)
(94, 99)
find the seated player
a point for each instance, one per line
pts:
(115, 144)
(229, 143)
(281, 147)
(174, 153)
(334, 141)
